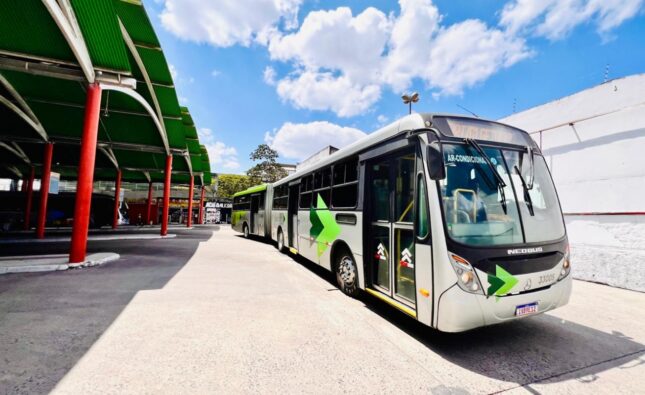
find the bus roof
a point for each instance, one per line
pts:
(253, 189)
(409, 122)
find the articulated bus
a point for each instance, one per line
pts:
(453, 220)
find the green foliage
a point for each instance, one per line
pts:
(229, 184)
(267, 170)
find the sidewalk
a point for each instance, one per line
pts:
(240, 317)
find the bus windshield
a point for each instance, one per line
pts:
(479, 210)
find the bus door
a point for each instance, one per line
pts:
(253, 213)
(292, 214)
(390, 230)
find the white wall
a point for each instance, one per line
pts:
(598, 165)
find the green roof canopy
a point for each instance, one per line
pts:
(49, 52)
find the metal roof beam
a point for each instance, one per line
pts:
(115, 146)
(146, 77)
(71, 73)
(23, 111)
(16, 151)
(103, 109)
(14, 170)
(108, 152)
(62, 13)
(136, 96)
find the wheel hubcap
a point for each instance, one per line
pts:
(347, 270)
(280, 241)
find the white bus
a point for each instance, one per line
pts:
(453, 220)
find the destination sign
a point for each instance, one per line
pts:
(482, 130)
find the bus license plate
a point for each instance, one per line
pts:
(526, 309)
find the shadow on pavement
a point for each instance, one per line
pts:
(48, 321)
(541, 348)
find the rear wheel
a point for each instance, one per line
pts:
(347, 273)
(245, 229)
(280, 241)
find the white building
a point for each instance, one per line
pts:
(594, 144)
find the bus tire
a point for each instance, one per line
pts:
(245, 230)
(280, 241)
(346, 273)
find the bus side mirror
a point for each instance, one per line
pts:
(436, 166)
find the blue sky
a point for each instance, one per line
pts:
(303, 74)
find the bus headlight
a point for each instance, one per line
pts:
(466, 278)
(566, 265)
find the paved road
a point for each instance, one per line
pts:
(238, 317)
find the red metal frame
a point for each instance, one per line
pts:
(149, 204)
(85, 175)
(166, 196)
(30, 198)
(44, 190)
(117, 192)
(191, 187)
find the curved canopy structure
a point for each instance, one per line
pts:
(50, 50)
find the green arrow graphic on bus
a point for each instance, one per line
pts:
(323, 225)
(501, 282)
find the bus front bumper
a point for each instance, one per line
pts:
(460, 311)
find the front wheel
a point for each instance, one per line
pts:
(246, 231)
(280, 241)
(347, 274)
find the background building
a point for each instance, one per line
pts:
(594, 144)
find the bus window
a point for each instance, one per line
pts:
(345, 184)
(404, 188)
(422, 209)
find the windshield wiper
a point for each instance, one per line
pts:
(500, 181)
(527, 195)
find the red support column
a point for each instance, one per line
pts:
(30, 198)
(44, 191)
(166, 196)
(191, 187)
(201, 207)
(149, 208)
(85, 175)
(117, 192)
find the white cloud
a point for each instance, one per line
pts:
(216, 73)
(219, 154)
(469, 52)
(301, 140)
(269, 75)
(224, 23)
(173, 71)
(342, 62)
(382, 119)
(324, 91)
(555, 19)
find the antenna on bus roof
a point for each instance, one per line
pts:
(467, 110)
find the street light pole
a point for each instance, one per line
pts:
(409, 99)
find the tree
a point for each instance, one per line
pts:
(229, 184)
(267, 170)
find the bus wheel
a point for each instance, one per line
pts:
(347, 273)
(280, 241)
(246, 231)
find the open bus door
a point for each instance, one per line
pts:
(255, 206)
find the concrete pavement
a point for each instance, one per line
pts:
(239, 317)
(48, 321)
